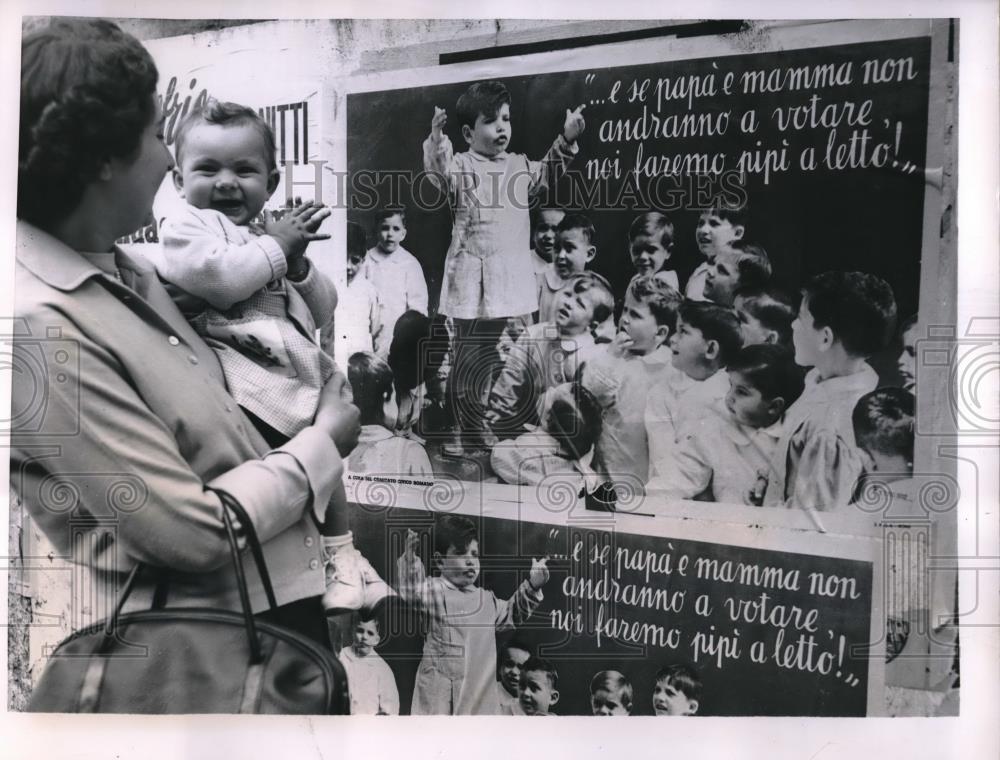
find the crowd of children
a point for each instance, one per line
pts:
(720, 389)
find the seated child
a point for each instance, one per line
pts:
(717, 227)
(369, 679)
(358, 310)
(513, 654)
(411, 359)
(907, 361)
(563, 447)
(677, 690)
(544, 221)
(396, 274)
(379, 450)
(737, 265)
(461, 621)
(537, 688)
(621, 377)
(765, 316)
(487, 264)
(549, 354)
(261, 300)
(706, 340)
(610, 694)
(728, 454)
(844, 318)
(574, 250)
(650, 241)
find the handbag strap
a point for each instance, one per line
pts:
(230, 502)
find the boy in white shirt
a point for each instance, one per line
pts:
(724, 456)
(573, 251)
(396, 274)
(650, 245)
(707, 338)
(737, 265)
(359, 321)
(545, 220)
(369, 679)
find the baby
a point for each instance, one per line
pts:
(258, 302)
(458, 667)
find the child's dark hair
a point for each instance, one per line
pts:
(88, 93)
(356, 244)
(714, 323)
(682, 677)
(387, 213)
(222, 113)
(883, 422)
(515, 643)
(663, 301)
(454, 531)
(907, 324)
(859, 308)
(409, 349)
(577, 222)
(576, 421)
(772, 308)
(752, 263)
(371, 384)
(652, 224)
(615, 682)
(604, 301)
(481, 98)
(771, 370)
(735, 215)
(540, 665)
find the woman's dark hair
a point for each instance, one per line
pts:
(87, 94)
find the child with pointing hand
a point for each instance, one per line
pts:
(487, 265)
(460, 620)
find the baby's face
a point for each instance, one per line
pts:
(648, 254)
(391, 232)
(544, 234)
(366, 637)
(535, 693)
(510, 668)
(608, 703)
(573, 252)
(639, 325)
(669, 700)
(491, 135)
(226, 168)
(723, 278)
(460, 568)
(714, 232)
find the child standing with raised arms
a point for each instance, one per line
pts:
(487, 264)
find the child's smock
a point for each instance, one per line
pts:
(399, 281)
(380, 452)
(488, 272)
(260, 324)
(371, 684)
(359, 321)
(457, 673)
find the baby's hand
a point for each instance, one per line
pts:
(437, 123)
(296, 229)
(411, 545)
(539, 574)
(575, 124)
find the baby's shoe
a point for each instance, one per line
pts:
(344, 582)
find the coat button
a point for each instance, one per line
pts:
(173, 340)
(309, 541)
(314, 564)
(193, 359)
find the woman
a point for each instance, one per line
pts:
(123, 423)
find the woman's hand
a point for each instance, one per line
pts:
(337, 416)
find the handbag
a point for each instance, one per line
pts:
(194, 660)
